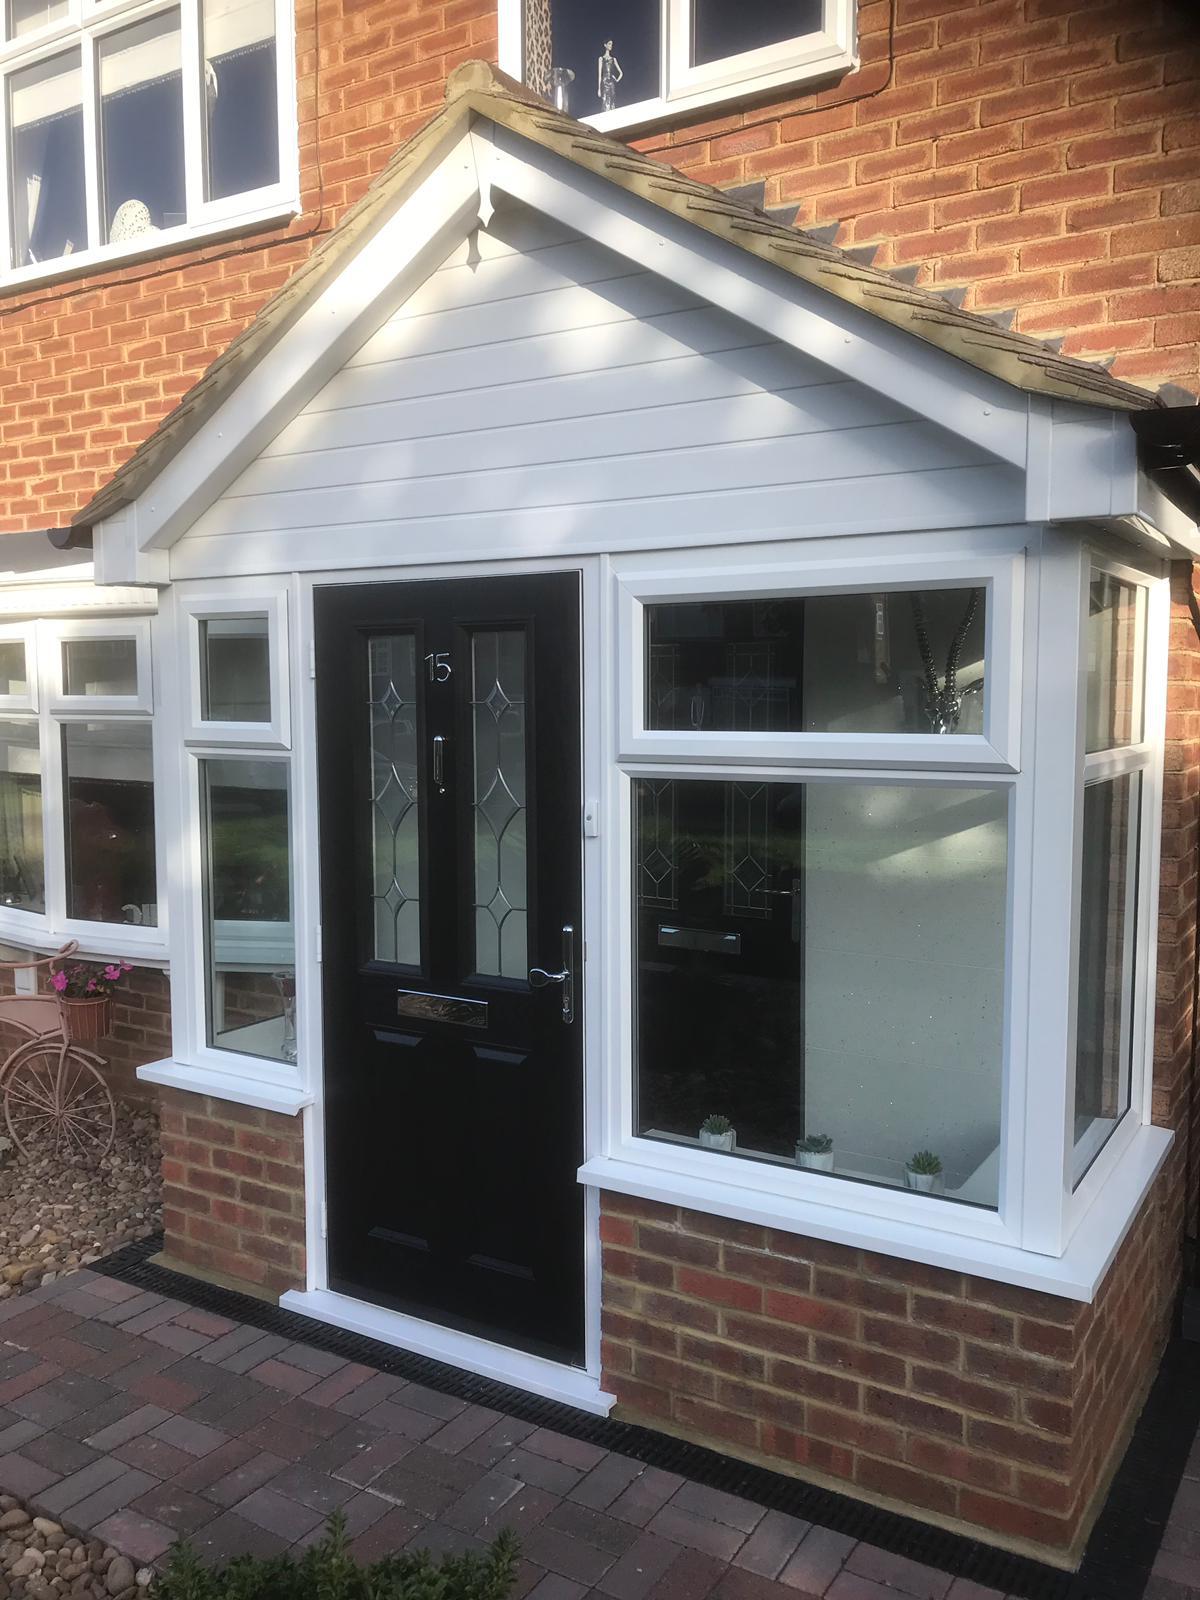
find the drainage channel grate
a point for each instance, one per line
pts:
(1119, 1554)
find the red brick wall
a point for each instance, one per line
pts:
(1042, 156)
(1036, 154)
(91, 364)
(233, 1190)
(972, 1401)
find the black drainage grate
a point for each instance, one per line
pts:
(1119, 1554)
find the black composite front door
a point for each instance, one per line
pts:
(448, 748)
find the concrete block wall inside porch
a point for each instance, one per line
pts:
(233, 1191)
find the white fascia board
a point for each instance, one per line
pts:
(351, 306)
(73, 599)
(988, 413)
(1082, 463)
(1157, 513)
(116, 558)
(1075, 1275)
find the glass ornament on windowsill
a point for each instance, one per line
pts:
(285, 982)
(561, 79)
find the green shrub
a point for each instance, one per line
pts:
(327, 1571)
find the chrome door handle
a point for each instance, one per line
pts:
(439, 763)
(539, 978)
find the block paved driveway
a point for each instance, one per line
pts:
(139, 1420)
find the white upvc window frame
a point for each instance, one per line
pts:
(86, 24)
(269, 599)
(829, 51)
(195, 1064)
(136, 629)
(23, 633)
(1037, 1235)
(1001, 577)
(51, 711)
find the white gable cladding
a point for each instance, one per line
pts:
(537, 394)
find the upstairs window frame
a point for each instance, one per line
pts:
(79, 34)
(827, 52)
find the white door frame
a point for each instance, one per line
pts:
(575, 1386)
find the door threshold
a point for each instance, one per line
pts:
(552, 1379)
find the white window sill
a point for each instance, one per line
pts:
(237, 1088)
(166, 242)
(26, 930)
(1075, 1275)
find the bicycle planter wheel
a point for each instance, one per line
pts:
(55, 1095)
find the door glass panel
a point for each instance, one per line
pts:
(498, 803)
(911, 661)
(248, 930)
(99, 666)
(14, 676)
(22, 872)
(108, 777)
(1116, 648)
(395, 818)
(235, 669)
(820, 976)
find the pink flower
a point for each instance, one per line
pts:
(113, 972)
(91, 986)
(59, 981)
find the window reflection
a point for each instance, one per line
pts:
(108, 782)
(249, 938)
(45, 115)
(141, 128)
(1116, 646)
(235, 669)
(241, 144)
(99, 666)
(720, 30)
(22, 869)
(824, 959)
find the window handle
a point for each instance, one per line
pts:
(439, 763)
(539, 978)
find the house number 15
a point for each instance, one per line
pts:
(438, 664)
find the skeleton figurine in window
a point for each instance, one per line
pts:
(943, 703)
(608, 76)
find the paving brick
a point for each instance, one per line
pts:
(241, 1480)
(197, 1438)
(281, 1438)
(61, 1399)
(390, 1532)
(646, 1496)
(464, 1429)
(319, 1362)
(850, 1586)
(206, 1322)
(206, 1470)
(561, 1447)
(78, 1485)
(553, 1586)
(155, 1456)
(60, 1454)
(691, 1576)
(559, 1552)
(393, 1418)
(153, 1317)
(593, 1527)
(228, 1344)
(498, 1442)
(714, 1505)
(175, 1508)
(323, 1422)
(140, 1538)
(18, 1434)
(176, 1337)
(277, 1514)
(137, 1420)
(772, 1544)
(609, 1478)
(316, 1490)
(697, 1533)
(111, 1498)
(250, 1355)
(540, 1471)
(482, 1503)
(367, 1461)
(817, 1562)
(898, 1572)
(277, 1373)
(364, 1396)
(230, 1535)
(23, 1477)
(435, 1404)
(634, 1574)
(336, 1387)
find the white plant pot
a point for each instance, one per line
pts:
(815, 1160)
(923, 1182)
(718, 1141)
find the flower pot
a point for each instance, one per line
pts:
(86, 1020)
(815, 1160)
(718, 1141)
(923, 1182)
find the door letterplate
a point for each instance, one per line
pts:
(442, 1008)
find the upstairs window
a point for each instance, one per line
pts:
(620, 62)
(122, 135)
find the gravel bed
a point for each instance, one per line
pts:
(58, 1214)
(41, 1560)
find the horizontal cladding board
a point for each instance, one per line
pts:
(689, 380)
(847, 457)
(625, 343)
(958, 497)
(636, 430)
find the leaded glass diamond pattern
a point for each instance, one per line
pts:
(499, 805)
(395, 819)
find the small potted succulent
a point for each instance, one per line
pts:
(923, 1171)
(717, 1133)
(815, 1152)
(85, 996)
